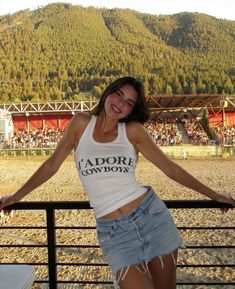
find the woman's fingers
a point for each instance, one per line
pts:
(5, 215)
(227, 200)
(6, 201)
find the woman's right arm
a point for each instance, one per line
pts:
(50, 166)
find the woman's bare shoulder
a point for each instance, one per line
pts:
(78, 124)
(81, 119)
(133, 130)
(83, 116)
(134, 126)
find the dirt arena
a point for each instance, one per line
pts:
(65, 186)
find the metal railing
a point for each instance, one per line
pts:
(52, 245)
(181, 151)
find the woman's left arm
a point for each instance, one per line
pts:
(145, 144)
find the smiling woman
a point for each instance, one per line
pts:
(135, 230)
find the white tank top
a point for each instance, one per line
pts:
(107, 170)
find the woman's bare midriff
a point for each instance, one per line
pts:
(126, 209)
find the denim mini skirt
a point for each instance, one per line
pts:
(145, 233)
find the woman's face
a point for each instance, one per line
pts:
(120, 103)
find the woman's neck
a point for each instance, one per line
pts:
(105, 124)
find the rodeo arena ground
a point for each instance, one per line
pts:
(49, 238)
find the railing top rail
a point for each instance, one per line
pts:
(63, 205)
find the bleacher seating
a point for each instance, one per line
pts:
(39, 138)
(228, 133)
(164, 130)
(195, 132)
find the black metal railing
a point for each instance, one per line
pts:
(51, 245)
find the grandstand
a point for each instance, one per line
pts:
(38, 115)
(176, 120)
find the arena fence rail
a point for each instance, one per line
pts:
(52, 246)
(181, 151)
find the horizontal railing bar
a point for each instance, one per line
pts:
(28, 263)
(180, 228)
(97, 246)
(187, 246)
(178, 265)
(82, 264)
(195, 204)
(210, 247)
(77, 246)
(106, 265)
(206, 228)
(45, 246)
(36, 228)
(93, 228)
(83, 282)
(23, 246)
(176, 204)
(206, 265)
(206, 284)
(74, 228)
(21, 227)
(110, 282)
(49, 205)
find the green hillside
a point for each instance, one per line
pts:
(58, 51)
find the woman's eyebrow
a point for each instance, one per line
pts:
(119, 90)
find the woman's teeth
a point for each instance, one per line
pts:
(116, 109)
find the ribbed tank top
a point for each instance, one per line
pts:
(107, 170)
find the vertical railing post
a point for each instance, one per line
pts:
(51, 242)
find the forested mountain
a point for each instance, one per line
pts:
(61, 51)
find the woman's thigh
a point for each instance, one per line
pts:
(134, 276)
(163, 271)
(159, 273)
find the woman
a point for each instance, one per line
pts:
(135, 230)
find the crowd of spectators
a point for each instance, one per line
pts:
(226, 135)
(195, 132)
(164, 131)
(38, 138)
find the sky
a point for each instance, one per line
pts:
(219, 8)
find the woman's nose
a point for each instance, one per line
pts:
(121, 102)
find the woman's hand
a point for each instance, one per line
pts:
(4, 202)
(227, 200)
(7, 200)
